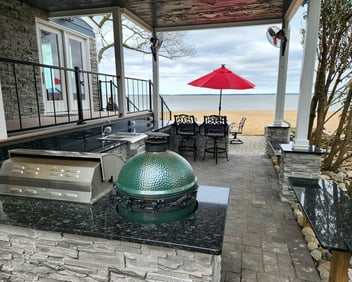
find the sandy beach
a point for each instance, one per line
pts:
(257, 119)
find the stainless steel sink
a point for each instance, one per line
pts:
(130, 137)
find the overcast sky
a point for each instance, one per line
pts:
(244, 50)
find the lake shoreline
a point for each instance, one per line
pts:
(257, 120)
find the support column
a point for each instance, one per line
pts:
(282, 78)
(3, 128)
(280, 131)
(119, 60)
(310, 44)
(156, 100)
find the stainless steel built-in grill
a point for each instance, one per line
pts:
(59, 175)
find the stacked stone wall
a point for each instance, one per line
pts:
(18, 31)
(19, 42)
(31, 255)
(297, 164)
(94, 68)
(276, 133)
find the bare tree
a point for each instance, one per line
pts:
(339, 146)
(334, 64)
(174, 44)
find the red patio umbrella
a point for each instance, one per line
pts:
(222, 78)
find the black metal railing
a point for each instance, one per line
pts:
(138, 94)
(108, 93)
(38, 95)
(166, 114)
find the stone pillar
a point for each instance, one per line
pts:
(297, 164)
(276, 133)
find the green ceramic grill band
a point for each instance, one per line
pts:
(174, 214)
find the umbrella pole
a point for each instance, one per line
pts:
(220, 102)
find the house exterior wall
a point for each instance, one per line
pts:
(19, 41)
(18, 31)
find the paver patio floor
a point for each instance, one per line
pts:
(262, 239)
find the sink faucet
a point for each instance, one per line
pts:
(106, 128)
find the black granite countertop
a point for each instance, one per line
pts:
(328, 209)
(312, 149)
(203, 231)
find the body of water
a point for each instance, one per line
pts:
(210, 102)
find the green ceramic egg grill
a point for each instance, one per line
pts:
(157, 185)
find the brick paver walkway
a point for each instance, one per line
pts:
(262, 239)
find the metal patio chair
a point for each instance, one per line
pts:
(238, 130)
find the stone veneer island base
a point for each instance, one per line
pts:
(48, 240)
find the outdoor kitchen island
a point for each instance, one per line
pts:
(50, 239)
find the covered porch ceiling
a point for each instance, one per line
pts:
(168, 15)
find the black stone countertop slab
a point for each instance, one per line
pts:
(203, 231)
(328, 209)
(288, 148)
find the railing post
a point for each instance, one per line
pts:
(79, 96)
(162, 111)
(17, 96)
(128, 104)
(150, 96)
(111, 94)
(36, 95)
(100, 93)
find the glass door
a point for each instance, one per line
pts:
(75, 58)
(53, 81)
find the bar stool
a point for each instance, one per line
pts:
(186, 128)
(216, 128)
